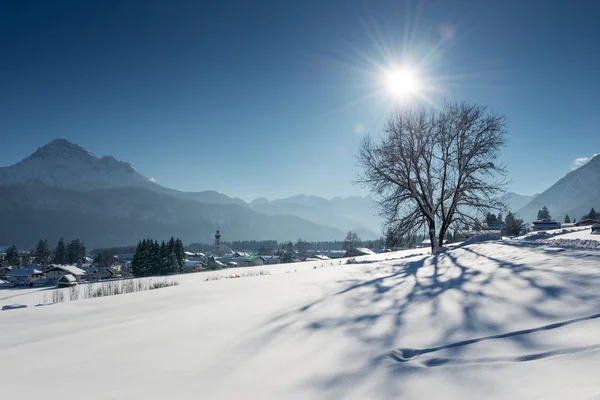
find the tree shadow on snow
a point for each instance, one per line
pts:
(443, 294)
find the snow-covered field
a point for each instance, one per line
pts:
(508, 319)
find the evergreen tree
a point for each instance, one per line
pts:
(76, 252)
(500, 218)
(180, 254)
(164, 259)
(12, 256)
(567, 219)
(42, 253)
(574, 220)
(490, 218)
(60, 254)
(513, 225)
(544, 214)
(139, 263)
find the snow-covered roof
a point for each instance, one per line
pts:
(23, 272)
(70, 269)
(67, 278)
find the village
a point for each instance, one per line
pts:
(27, 274)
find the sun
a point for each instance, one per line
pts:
(401, 83)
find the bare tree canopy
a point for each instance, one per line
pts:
(436, 167)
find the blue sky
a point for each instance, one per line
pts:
(270, 98)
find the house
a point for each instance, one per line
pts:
(544, 224)
(55, 272)
(269, 260)
(24, 276)
(587, 222)
(4, 271)
(241, 259)
(94, 273)
(596, 228)
(67, 280)
(193, 266)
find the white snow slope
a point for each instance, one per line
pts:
(511, 320)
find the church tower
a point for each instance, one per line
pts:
(217, 243)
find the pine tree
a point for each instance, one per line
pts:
(60, 254)
(163, 261)
(139, 263)
(544, 214)
(513, 225)
(42, 253)
(180, 254)
(500, 218)
(12, 256)
(567, 219)
(76, 252)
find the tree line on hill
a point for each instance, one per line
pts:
(152, 258)
(72, 253)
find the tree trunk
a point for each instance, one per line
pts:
(432, 238)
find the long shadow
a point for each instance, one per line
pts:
(443, 361)
(403, 286)
(403, 355)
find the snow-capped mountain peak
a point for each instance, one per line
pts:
(62, 163)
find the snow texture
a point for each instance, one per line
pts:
(508, 319)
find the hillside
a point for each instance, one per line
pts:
(494, 320)
(575, 194)
(64, 190)
(117, 216)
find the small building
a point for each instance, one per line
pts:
(270, 260)
(587, 222)
(24, 276)
(94, 273)
(596, 228)
(67, 280)
(55, 272)
(4, 271)
(545, 224)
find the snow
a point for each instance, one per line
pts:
(576, 238)
(499, 319)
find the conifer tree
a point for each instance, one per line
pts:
(12, 256)
(42, 253)
(544, 214)
(567, 219)
(60, 254)
(180, 255)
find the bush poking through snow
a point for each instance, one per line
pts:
(233, 276)
(58, 296)
(114, 288)
(351, 260)
(74, 293)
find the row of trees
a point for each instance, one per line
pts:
(152, 258)
(73, 253)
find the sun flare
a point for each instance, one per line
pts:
(401, 83)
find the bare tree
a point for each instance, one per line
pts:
(436, 168)
(352, 241)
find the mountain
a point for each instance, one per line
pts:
(516, 201)
(61, 163)
(350, 213)
(64, 190)
(124, 215)
(575, 194)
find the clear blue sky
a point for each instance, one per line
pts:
(263, 98)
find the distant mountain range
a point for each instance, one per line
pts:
(63, 190)
(575, 194)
